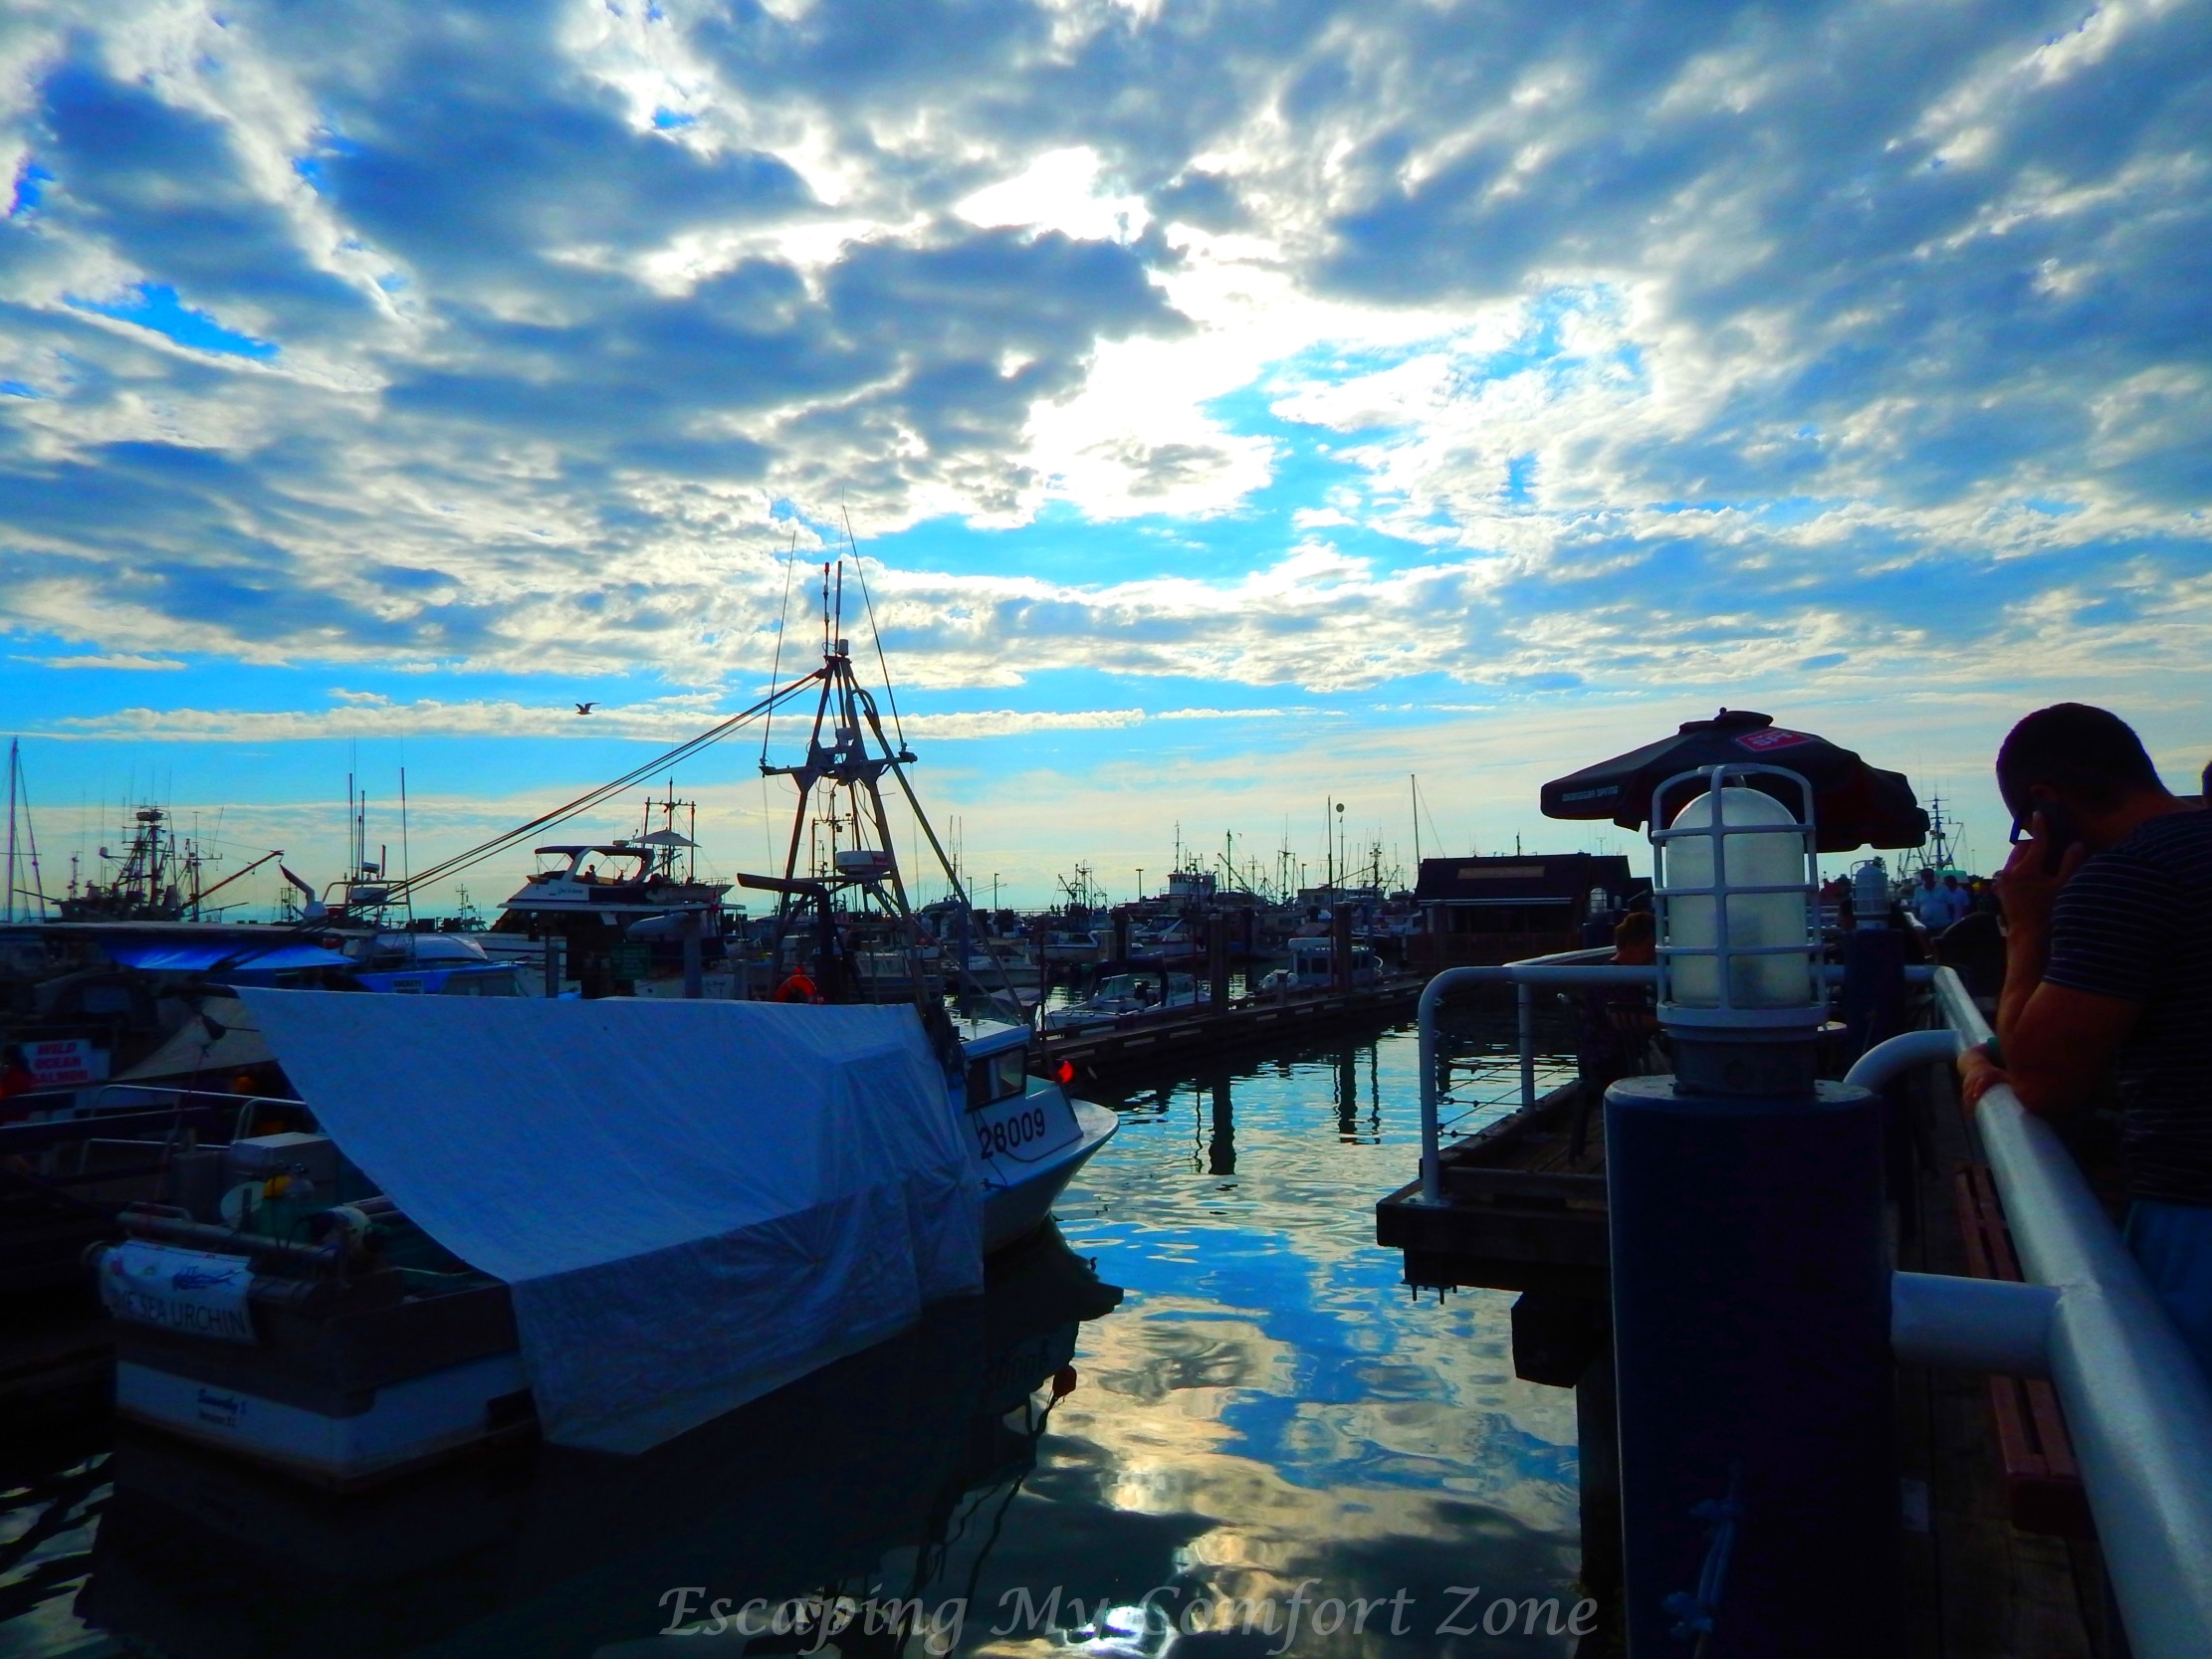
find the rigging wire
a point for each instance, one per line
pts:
(783, 616)
(605, 791)
(888, 691)
(546, 820)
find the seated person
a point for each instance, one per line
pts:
(2109, 978)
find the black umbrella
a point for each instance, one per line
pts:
(1853, 804)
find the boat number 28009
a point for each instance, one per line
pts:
(1013, 1133)
(1025, 1128)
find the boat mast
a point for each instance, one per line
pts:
(14, 758)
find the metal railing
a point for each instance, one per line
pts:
(1567, 968)
(2138, 1407)
(1561, 971)
(2137, 1404)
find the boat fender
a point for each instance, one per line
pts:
(239, 1203)
(345, 1227)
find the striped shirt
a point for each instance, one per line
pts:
(2135, 924)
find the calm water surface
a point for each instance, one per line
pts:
(1266, 1407)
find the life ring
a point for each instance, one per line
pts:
(797, 988)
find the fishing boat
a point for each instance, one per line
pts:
(283, 1306)
(1029, 1137)
(605, 1221)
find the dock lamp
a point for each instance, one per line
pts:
(1736, 890)
(1750, 1270)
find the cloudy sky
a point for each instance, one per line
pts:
(1234, 404)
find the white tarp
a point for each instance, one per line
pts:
(694, 1202)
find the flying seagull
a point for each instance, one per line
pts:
(585, 707)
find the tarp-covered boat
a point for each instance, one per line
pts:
(680, 1206)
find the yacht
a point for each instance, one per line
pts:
(1312, 967)
(574, 924)
(1121, 996)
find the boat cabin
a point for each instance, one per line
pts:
(996, 1058)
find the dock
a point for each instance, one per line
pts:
(2001, 1558)
(1173, 1036)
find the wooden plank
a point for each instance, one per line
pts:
(2042, 1483)
(1526, 1186)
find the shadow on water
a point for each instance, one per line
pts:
(1266, 1409)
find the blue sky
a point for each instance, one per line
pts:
(1236, 404)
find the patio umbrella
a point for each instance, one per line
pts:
(1853, 804)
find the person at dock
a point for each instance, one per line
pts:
(2107, 910)
(1930, 903)
(1957, 901)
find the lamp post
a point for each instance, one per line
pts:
(1750, 1267)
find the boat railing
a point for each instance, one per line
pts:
(179, 1096)
(2137, 1404)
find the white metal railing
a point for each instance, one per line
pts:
(1568, 967)
(177, 1096)
(2138, 1407)
(2137, 1404)
(1562, 969)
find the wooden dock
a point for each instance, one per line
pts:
(1173, 1036)
(1525, 1214)
(2000, 1560)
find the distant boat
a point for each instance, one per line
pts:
(1119, 996)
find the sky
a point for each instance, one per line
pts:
(1235, 407)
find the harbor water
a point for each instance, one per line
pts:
(1267, 1446)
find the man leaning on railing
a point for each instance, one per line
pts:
(2107, 909)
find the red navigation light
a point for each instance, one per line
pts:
(1065, 1073)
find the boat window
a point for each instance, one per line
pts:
(998, 1077)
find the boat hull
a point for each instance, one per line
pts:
(1015, 1209)
(400, 1426)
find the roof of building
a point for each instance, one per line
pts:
(1530, 878)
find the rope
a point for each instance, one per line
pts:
(888, 690)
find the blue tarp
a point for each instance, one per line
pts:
(247, 955)
(694, 1202)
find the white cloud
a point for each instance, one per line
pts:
(1690, 346)
(1058, 191)
(111, 659)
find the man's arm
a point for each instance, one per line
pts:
(2061, 1046)
(2074, 990)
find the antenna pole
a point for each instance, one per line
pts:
(1414, 779)
(14, 747)
(406, 863)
